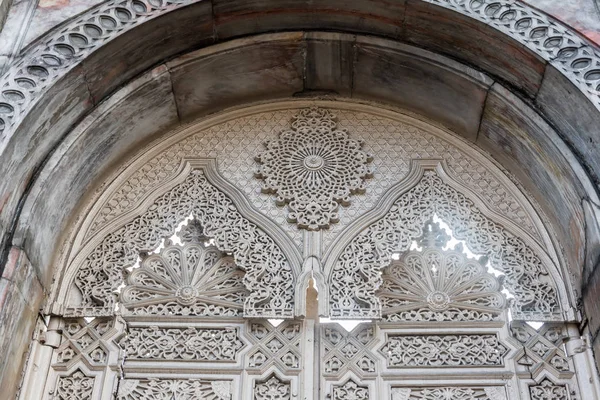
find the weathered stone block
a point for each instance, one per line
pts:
(470, 41)
(20, 298)
(146, 45)
(124, 122)
(248, 70)
(41, 130)
(241, 17)
(417, 80)
(574, 116)
(530, 149)
(329, 62)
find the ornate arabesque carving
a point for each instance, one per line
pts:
(236, 142)
(356, 273)
(272, 388)
(434, 284)
(268, 276)
(76, 386)
(313, 168)
(547, 390)
(195, 279)
(468, 350)
(350, 391)
(202, 344)
(180, 389)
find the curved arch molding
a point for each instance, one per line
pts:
(34, 73)
(63, 75)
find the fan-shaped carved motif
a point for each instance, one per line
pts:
(439, 285)
(189, 279)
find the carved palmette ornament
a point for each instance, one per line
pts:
(193, 279)
(439, 285)
(313, 168)
(76, 386)
(272, 388)
(350, 391)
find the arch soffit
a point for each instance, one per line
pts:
(75, 256)
(58, 52)
(418, 169)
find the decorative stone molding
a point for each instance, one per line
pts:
(410, 351)
(47, 61)
(439, 285)
(268, 276)
(354, 272)
(313, 168)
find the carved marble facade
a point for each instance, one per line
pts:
(187, 276)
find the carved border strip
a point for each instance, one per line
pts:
(66, 46)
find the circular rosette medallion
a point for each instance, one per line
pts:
(313, 168)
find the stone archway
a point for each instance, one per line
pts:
(47, 138)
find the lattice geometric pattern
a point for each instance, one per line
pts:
(280, 346)
(343, 351)
(439, 285)
(313, 168)
(85, 341)
(543, 346)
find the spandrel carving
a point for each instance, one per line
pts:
(268, 277)
(433, 284)
(356, 274)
